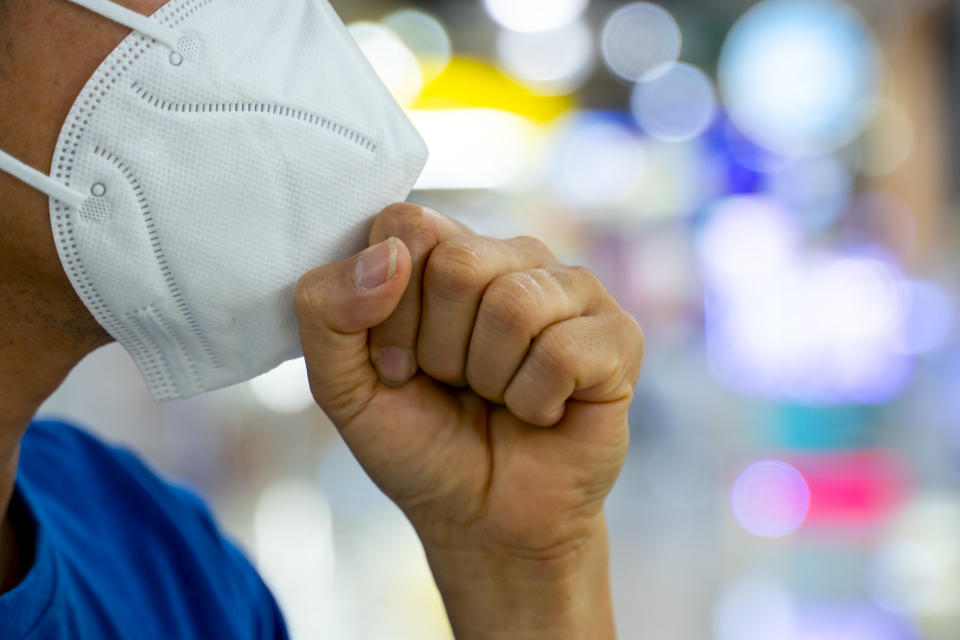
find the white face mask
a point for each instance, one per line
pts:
(225, 148)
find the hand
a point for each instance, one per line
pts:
(498, 419)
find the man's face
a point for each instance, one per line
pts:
(48, 50)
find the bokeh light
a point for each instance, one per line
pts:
(534, 15)
(800, 76)
(285, 389)
(746, 153)
(676, 106)
(469, 83)
(790, 321)
(754, 607)
(396, 65)
(425, 36)
(930, 316)
(915, 570)
(887, 142)
(770, 499)
(747, 242)
(640, 40)
(904, 577)
(847, 621)
(554, 62)
(854, 489)
(598, 162)
(848, 285)
(474, 148)
(295, 555)
(808, 338)
(817, 190)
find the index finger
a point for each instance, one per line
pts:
(393, 342)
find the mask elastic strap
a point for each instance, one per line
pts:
(40, 181)
(136, 21)
(111, 11)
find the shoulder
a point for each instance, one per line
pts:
(148, 532)
(73, 449)
(53, 452)
(61, 463)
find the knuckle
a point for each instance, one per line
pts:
(639, 345)
(555, 282)
(629, 346)
(482, 385)
(440, 366)
(520, 405)
(556, 352)
(510, 303)
(571, 283)
(402, 219)
(584, 277)
(533, 245)
(455, 269)
(307, 296)
(516, 401)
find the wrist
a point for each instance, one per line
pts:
(562, 592)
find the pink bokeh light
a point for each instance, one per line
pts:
(770, 499)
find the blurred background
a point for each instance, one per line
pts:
(770, 189)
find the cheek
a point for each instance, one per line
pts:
(146, 7)
(27, 240)
(31, 276)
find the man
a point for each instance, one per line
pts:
(483, 385)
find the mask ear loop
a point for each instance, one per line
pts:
(136, 21)
(40, 181)
(164, 35)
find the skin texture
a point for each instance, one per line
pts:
(503, 446)
(497, 420)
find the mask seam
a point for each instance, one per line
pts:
(254, 107)
(165, 270)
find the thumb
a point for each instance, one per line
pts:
(336, 304)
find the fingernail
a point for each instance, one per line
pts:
(376, 265)
(395, 365)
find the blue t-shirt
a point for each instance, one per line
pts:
(119, 553)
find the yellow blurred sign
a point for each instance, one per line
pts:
(473, 84)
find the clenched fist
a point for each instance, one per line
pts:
(484, 386)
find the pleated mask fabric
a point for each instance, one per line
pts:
(209, 173)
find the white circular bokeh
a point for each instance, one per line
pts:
(799, 77)
(534, 15)
(678, 105)
(424, 36)
(639, 39)
(393, 61)
(904, 577)
(553, 62)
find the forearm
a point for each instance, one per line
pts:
(563, 595)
